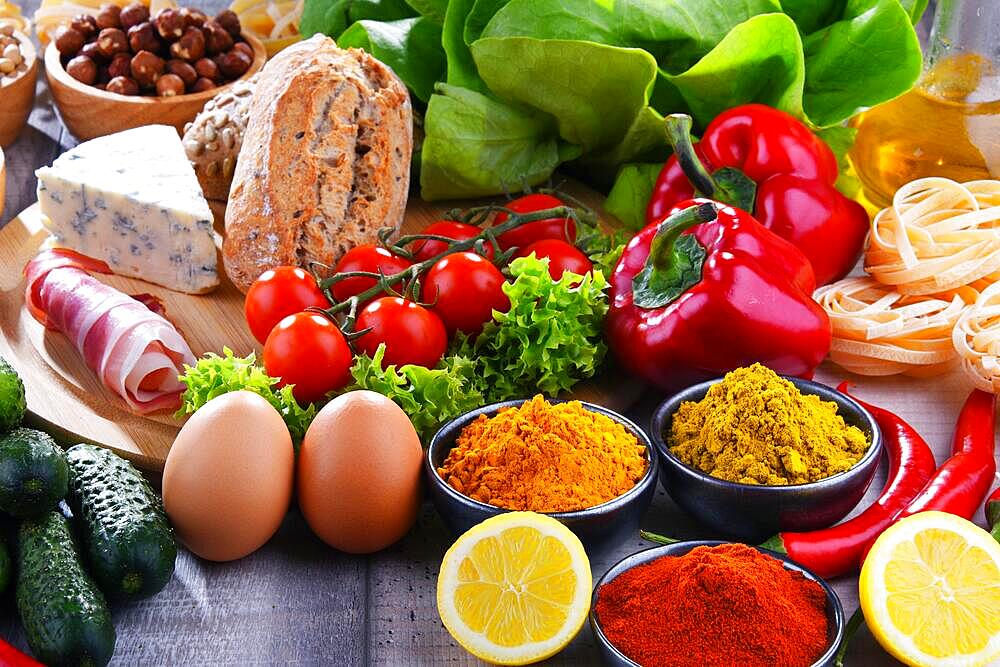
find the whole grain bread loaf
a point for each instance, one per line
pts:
(325, 161)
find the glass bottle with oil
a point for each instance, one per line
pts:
(949, 124)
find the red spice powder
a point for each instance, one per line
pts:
(715, 606)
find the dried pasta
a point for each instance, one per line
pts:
(937, 236)
(878, 331)
(10, 14)
(275, 22)
(977, 340)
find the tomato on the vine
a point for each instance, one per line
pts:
(411, 333)
(464, 290)
(425, 249)
(278, 293)
(562, 257)
(309, 351)
(549, 228)
(371, 258)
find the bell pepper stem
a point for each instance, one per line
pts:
(678, 128)
(675, 261)
(661, 251)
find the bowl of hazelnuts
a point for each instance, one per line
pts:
(123, 68)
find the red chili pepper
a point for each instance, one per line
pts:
(11, 657)
(708, 290)
(993, 514)
(839, 549)
(962, 482)
(767, 163)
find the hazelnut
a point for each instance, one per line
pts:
(85, 24)
(104, 74)
(101, 86)
(69, 41)
(193, 18)
(134, 14)
(202, 84)
(92, 51)
(228, 19)
(123, 86)
(190, 47)
(169, 85)
(111, 41)
(207, 69)
(147, 68)
(245, 48)
(120, 65)
(234, 64)
(170, 24)
(143, 37)
(83, 69)
(109, 16)
(184, 70)
(217, 40)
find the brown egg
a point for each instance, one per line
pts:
(228, 479)
(359, 473)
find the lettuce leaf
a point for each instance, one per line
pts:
(631, 192)
(214, 376)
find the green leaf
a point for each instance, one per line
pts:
(840, 139)
(869, 56)
(549, 340)
(811, 15)
(324, 17)
(379, 10)
(645, 140)
(476, 146)
(429, 397)
(214, 376)
(461, 67)
(631, 192)
(411, 47)
(760, 60)
(432, 9)
(594, 91)
(482, 13)
(915, 9)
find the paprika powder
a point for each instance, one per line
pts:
(715, 606)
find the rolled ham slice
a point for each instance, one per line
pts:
(134, 351)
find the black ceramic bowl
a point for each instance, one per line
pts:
(750, 512)
(597, 526)
(612, 656)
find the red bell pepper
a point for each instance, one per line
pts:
(11, 657)
(766, 162)
(708, 290)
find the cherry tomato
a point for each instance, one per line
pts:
(411, 333)
(368, 257)
(465, 288)
(562, 257)
(549, 228)
(309, 351)
(277, 294)
(426, 249)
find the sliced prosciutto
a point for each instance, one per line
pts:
(132, 348)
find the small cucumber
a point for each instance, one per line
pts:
(33, 473)
(65, 616)
(126, 537)
(12, 405)
(5, 566)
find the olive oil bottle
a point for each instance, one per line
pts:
(949, 124)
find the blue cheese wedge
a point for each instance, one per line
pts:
(133, 200)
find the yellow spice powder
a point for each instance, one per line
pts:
(545, 457)
(755, 427)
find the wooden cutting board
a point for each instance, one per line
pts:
(64, 395)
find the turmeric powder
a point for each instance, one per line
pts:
(757, 428)
(545, 457)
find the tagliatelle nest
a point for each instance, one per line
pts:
(937, 236)
(878, 331)
(976, 339)
(275, 22)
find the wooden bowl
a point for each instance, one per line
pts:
(3, 183)
(18, 93)
(89, 112)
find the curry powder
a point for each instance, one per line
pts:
(757, 428)
(545, 457)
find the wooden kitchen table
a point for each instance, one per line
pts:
(296, 601)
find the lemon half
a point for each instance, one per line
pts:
(515, 589)
(930, 591)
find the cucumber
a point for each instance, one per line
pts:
(33, 473)
(127, 540)
(65, 616)
(5, 566)
(12, 405)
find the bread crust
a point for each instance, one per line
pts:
(325, 161)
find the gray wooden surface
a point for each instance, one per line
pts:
(297, 601)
